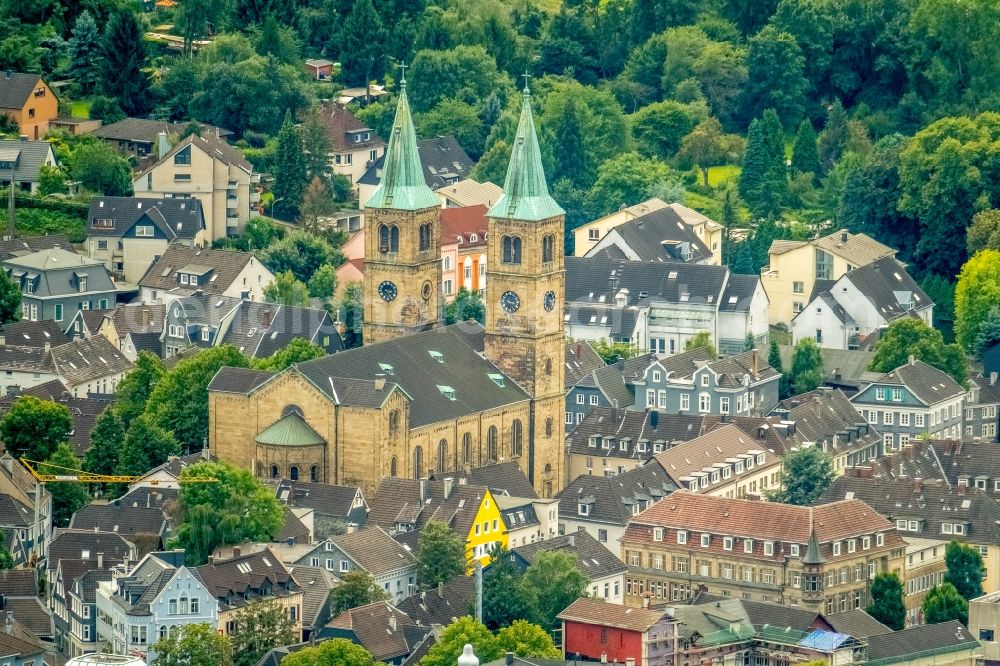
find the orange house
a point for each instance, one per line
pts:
(463, 249)
(29, 102)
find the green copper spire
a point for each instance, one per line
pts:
(403, 186)
(525, 192)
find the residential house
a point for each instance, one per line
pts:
(353, 270)
(597, 631)
(183, 271)
(133, 328)
(388, 633)
(943, 643)
(362, 96)
(29, 102)
(144, 523)
(22, 649)
(406, 505)
(18, 247)
(151, 600)
(319, 68)
(17, 520)
(75, 126)
(373, 551)
(659, 235)
(27, 333)
(86, 323)
(463, 249)
(21, 486)
(914, 399)
(22, 162)
(528, 519)
(741, 385)
(981, 405)
(236, 581)
(604, 571)
(92, 366)
(846, 314)
(740, 309)
(336, 509)
(55, 284)
(82, 604)
(581, 361)
(605, 386)
(167, 475)
(817, 557)
(469, 192)
(25, 616)
(710, 233)
(317, 583)
(658, 307)
(210, 170)
(984, 623)
(129, 233)
(612, 441)
(603, 506)
(142, 137)
(442, 605)
(502, 478)
(795, 266)
(725, 462)
(355, 148)
(443, 160)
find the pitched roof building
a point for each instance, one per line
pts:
(27, 101)
(659, 235)
(384, 630)
(442, 162)
(183, 271)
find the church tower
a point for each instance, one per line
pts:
(524, 303)
(402, 240)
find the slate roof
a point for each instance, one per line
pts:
(210, 145)
(443, 604)
(142, 130)
(19, 582)
(226, 267)
(374, 550)
(927, 383)
(316, 584)
(17, 247)
(54, 273)
(75, 544)
(657, 236)
(292, 530)
(615, 380)
(592, 557)
(857, 623)
(442, 158)
(630, 427)
(31, 613)
(371, 628)
(84, 360)
(823, 416)
(13, 512)
(505, 478)
(399, 501)
(123, 519)
(33, 155)
(459, 366)
(731, 370)
(26, 359)
(739, 292)
(597, 612)
(34, 333)
(175, 218)
(16, 88)
(591, 279)
(581, 361)
(139, 318)
(611, 499)
(143, 496)
(322, 498)
(881, 281)
(227, 582)
(704, 453)
(900, 646)
(238, 380)
(260, 329)
(780, 615)
(338, 121)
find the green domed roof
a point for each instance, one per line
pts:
(290, 430)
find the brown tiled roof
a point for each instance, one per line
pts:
(504, 478)
(13, 645)
(859, 249)
(293, 529)
(19, 582)
(32, 613)
(374, 550)
(316, 584)
(226, 266)
(372, 628)
(463, 222)
(398, 500)
(216, 148)
(84, 360)
(714, 447)
(227, 581)
(442, 604)
(338, 121)
(592, 611)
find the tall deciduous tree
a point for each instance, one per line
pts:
(440, 554)
(136, 387)
(124, 58)
(775, 76)
(465, 73)
(989, 333)
(102, 170)
(984, 232)
(943, 603)
(553, 581)
(287, 290)
(147, 445)
(659, 128)
(261, 625)
(361, 44)
(887, 601)
(332, 652)
(466, 305)
(805, 154)
(805, 474)
(10, 300)
(291, 173)
(908, 337)
(106, 442)
(323, 282)
(298, 350)
(461, 632)
(965, 569)
(708, 146)
(807, 366)
(976, 295)
(702, 339)
(34, 428)
(67, 498)
(302, 253)
(503, 602)
(356, 588)
(85, 53)
(626, 179)
(194, 645)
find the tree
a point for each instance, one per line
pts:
(67, 498)
(351, 312)
(908, 337)
(807, 366)
(762, 177)
(316, 144)
(659, 128)
(775, 75)
(467, 305)
(976, 295)
(984, 231)
(302, 253)
(456, 118)
(102, 169)
(34, 428)
(943, 603)
(461, 632)
(261, 625)
(805, 474)
(526, 639)
(553, 581)
(503, 601)
(440, 554)
(194, 19)
(317, 203)
(85, 53)
(774, 360)
(51, 180)
(361, 44)
(106, 442)
(323, 282)
(10, 300)
(298, 350)
(357, 588)
(287, 290)
(989, 333)
(965, 569)
(147, 445)
(626, 179)
(887, 601)
(135, 388)
(290, 167)
(805, 155)
(179, 402)
(332, 652)
(236, 509)
(702, 339)
(833, 140)
(572, 161)
(612, 352)
(123, 59)
(467, 73)
(106, 109)
(194, 645)
(707, 146)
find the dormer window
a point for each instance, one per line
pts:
(583, 509)
(498, 379)
(447, 391)
(183, 278)
(144, 231)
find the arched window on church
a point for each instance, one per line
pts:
(548, 243)
(467, 448)
(425, 237)
(388, 238)
(293, 472)
(548, 426)
(314, 473)
(274, 471)
(442, 461)
(548, 366)
(393, 467)
(515, 438)
(511, 250)
(491, 444)
(394, 422)
(418, 462)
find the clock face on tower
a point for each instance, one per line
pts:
(549, 300)
(387, 290)
(510, 301)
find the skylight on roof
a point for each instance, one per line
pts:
(447, 391)
(386, 368)
(672, 275)
(732, 299)
(436, 355)
(497, 378)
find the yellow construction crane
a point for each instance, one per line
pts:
(68, 474)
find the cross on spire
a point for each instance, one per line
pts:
(402, 72)
(526, 76)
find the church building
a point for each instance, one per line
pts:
(420, 397)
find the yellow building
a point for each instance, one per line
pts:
(795, 266)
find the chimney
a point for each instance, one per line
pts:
(579, 351)
(145, 319)
(645, 601)
(441, 589)
(912, 360)
(654, 419)
(571, 540)
(237, 551)
(8, 623)
(961, 489)
(379, 382)
(392, 622)
(753, 366)
(267, 316)
(917, 485)
(629, 661)
(162, 145)
(993, 375)
(449, 483)
(100, 561)
(47, 347)
(958, 447)
(423, 490)
(843, 236)
(3, 340)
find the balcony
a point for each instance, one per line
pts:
(254, 197)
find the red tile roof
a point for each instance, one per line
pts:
(592, 611)
(464, 222)
(339, 121)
